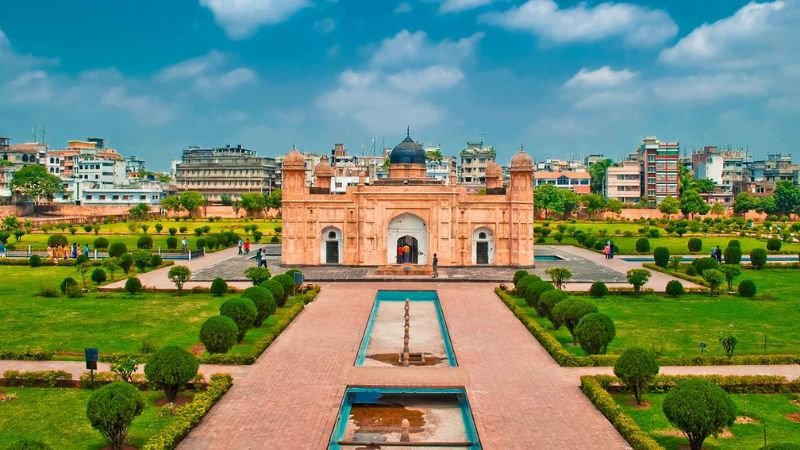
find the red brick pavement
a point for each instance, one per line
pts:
(290, 398)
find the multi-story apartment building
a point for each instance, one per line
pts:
(555, 165)
(760, 177)
(724, 167)
(593, 158)
(232, 171)
(13, 157)
(623, 182)
(474, 158)
(659, 169)
(577, 181)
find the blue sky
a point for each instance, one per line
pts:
(562, 78)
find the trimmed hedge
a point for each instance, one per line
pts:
(36, 378)
(189, 415)
(661, 256)
(681, 275)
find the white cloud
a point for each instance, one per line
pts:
(147, 109)
(602, 77)
(632, 23)
(703, 88)
(193, 67)
(415, 48)
(31, 87)
(402, 8)
(756, 34)
(207, 74)
(433, 78)
(11, 61)
(241, 18)
(228, 81)
(450, 6)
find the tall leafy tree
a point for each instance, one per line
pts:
(704, 186)
(274, 199)
(570, 200)
(744, 202)
(191, 200)
(598, 173)
(593, 203)
(35, 183)
(253, 202)
(547, 198)
(787, 197)
(669, 206)
(692, 203)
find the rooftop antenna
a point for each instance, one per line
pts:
(34, 132)
(482, 135)
(44, 132)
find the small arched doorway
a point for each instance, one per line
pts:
(331, 246)
(482, 247)
(411, 244)
(411, 229)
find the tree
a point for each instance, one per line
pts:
(744, 202)
(692, 203)
(598, 173)
(637, 368)
(787, 197)
(766, 204)
(111, 410)
(226, 200)
(257, 275)
(614, 205)
(593, 203)
(570, 311)
(717, 209)
(179, 275)
(638, 278)
(699, 408)
(141, 258)
(125, 367)
(435, 156)
(559, 276)
(730, 271)
(172, 203)
(547, 198)
(714, 278)
(111, 264)
(758, 258)
(139, 212)
(704, 186)
(274, 199)
(36, 183)
(10, 223)
(236, 205)
(669, 206)
(191, 200)
(570, 201)
(594, 332)
(252, 202)
(171, 368)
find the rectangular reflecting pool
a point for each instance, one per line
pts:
(404, 418)
(383, 341)
(547, 258)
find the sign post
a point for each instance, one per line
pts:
(91, 355)
(298, 279)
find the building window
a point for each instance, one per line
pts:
(142, 197)
(88, 196)
(115, 197)
(102, 197)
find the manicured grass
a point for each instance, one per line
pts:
(676, 326)
(766, 409)
(57, 417)
(112, 322)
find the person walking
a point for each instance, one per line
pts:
(86, 249)
(263, 261)
(185, 245)
(718, 254)
(241, 243)
(258, 258)
(610, 249)
(435, 266)
(606, 250)
(247, 246)
(74, 250)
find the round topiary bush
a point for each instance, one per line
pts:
(598, 289)
(570, 311)
(67, 284)
(117, 249)
(594, 332)
(734, 243)
(172, 242)
(156, 260)
(218, 334)
(637, 368)
(518, 276)
(695, 244)
(642, 245)
(674, 288)
(35, 261)
(733, 254)
(774, 245)
(111, 410)
(535, 290)
(699, 408)
(101, 243)
(57, 239)
(522, 284)
(126, 262)
(703, 264)
(548, 300)
(145, 242)
(133, 285)
(276, 289)
(287, 283)
(81, 259)
(171, 368)
(691, 271)
(747, 288)
(219, 287)
(243, 312)
(758, 258)
(661, 256)
(265, 304)
(99, 275)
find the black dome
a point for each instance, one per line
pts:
(407, 152)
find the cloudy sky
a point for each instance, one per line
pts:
(562, 78)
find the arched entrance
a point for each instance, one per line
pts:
(412, 256)
(482, 246)
(331, 246)
(410, 229)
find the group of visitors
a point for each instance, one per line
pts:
(403, 253)
(716, 253)
(64, 252)
(608, 250)
(244, 247)
(261, 258)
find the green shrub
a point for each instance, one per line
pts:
(747, 288)
(243, 312)
(774, 245)
(156, 260)
(126, 262)
(714, 278)
(172, 232)
(758, 258)
(276, 289)
(179, 276)
(535, 290)
(522, 284)
(68, 284)
(101, 243)
(142, 258)
(695, 244)
(111, 410)
(559, 276)
(35, 261)
(734, 243)
(594, 332)
(81, 259)
(728, 344)
(691, 271)
(287, 283)
(133, 285)
(117, 249)
(99, 275)
(548, 300)
(172, 242)
(637, 368)
(48, 292)
(661, 256)
(733, 254)
(518, 276)
(200, 244)
(638, 278)
(57, 239)
(219, 287)
(699, 408)
(570, 311)
(642, 245)
(598, 289)
(703, 264)
(265, 304)
(256, 275)
(674, 288)
(218, 334)
(144, 242)
(171, 368)
(28, 445)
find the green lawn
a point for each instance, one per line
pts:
(678, 245)
(57, 417)
(675, 327)
(766, 409)
(112, 322)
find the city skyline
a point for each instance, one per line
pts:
(596, 77)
